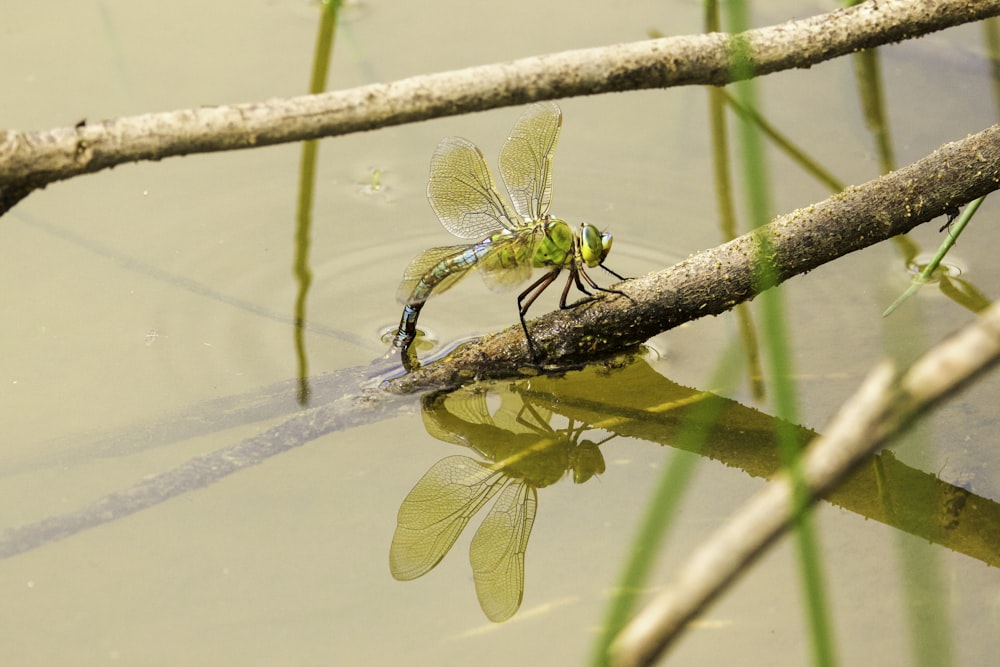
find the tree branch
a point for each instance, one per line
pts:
(713, 281)
(882, 407)
(32, 160)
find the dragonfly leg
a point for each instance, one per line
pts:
(574, 277)
(579, 284)
(527, 297)
(540, 425)
(590, 281)
(576, 274)
(614, 273)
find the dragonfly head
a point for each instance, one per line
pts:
(594, 245)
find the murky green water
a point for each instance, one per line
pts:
(138, 296)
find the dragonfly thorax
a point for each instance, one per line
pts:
(557, 247)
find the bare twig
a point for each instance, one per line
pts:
(715, 280)
(32, 160)
(884, 405)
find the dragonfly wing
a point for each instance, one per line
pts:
(526, 159)
(446, 415)
(436, 511)
(420, 268)
(497, 551)
(510, 259)
(462, 192)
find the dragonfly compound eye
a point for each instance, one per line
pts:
(606, 241)
(594, 246)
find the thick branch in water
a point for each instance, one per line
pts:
(713, 281)
(32, 160)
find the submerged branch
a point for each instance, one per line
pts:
(32, 160)
(714, 281)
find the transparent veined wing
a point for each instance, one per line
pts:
(439, 411)
(462, 192)
(526, 159)
(511, 256)
(436, 511)
(423, 263)
(497, 551)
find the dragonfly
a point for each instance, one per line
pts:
(525, 453)
(513, 239)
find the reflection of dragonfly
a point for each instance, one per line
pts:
(527, 454)
(512, 242)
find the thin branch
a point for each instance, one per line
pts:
(714, 281)
(883, 406)
(32, 160)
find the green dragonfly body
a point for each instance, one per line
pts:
(513, 242)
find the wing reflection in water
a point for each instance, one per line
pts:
(508, 427)
(524, 452)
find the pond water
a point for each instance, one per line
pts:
(139, 301)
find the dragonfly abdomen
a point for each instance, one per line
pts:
(451, 267)
(439, 277)
(407, 325)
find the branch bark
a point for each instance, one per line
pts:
(714, 281)
(32, 160)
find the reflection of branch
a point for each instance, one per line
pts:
(636, 402)
(31, 160)
(884, 405)
(351, 407)
(713, 281)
